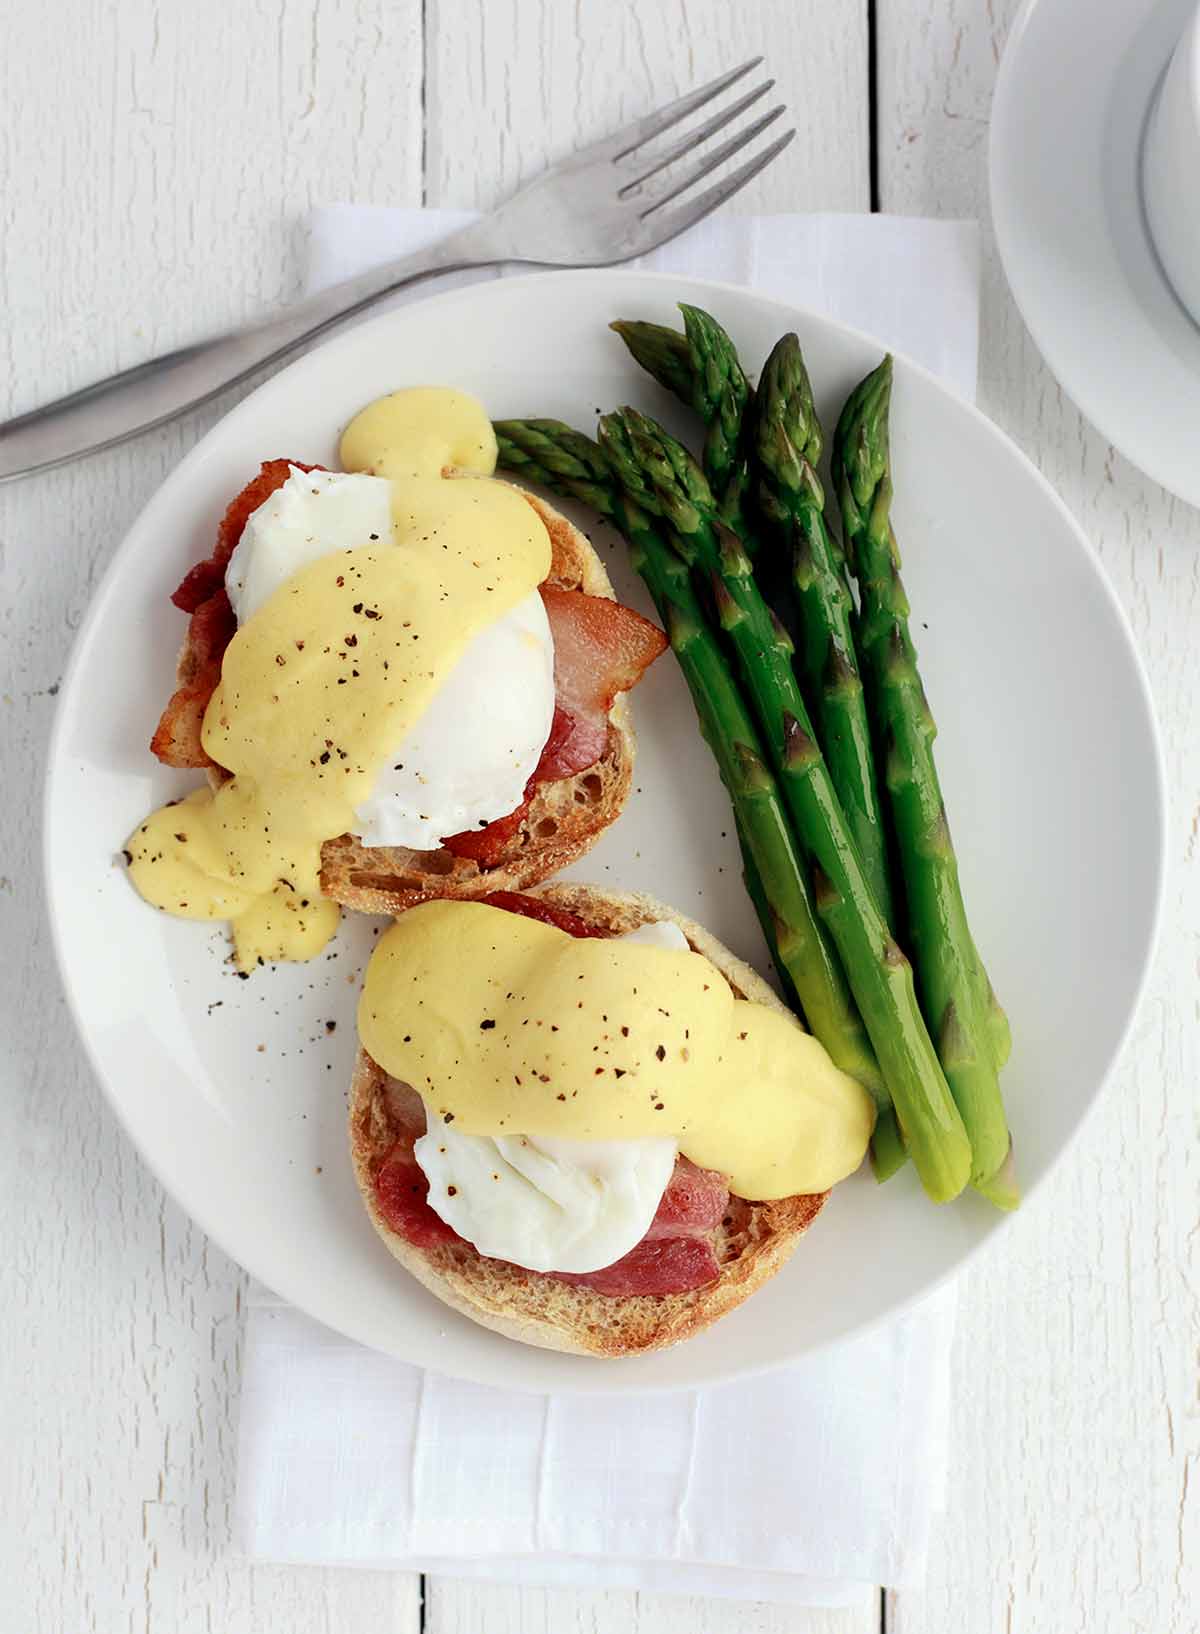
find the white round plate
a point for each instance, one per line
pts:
(1068, 118)
(234, 1090)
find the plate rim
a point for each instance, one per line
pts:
(1141, 452)
(593, 1380)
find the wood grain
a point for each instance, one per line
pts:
(459, 1607)
(1073, 1501)
(541, 79)
(157, 162)
(155, 165)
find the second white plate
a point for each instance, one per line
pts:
(1068, 119)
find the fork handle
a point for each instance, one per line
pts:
(113, 410)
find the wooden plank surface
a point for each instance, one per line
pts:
(156, 164)
(457, 1607)
(540, 78)
(1074, 1501)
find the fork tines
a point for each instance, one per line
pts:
(642, 164)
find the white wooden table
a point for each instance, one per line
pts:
(155, 161)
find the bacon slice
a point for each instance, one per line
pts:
(600, 649)
(212, 626)
(533, 907)
(207, 577)
(676, 1254)
(176, 739)
(693, 1204)
(402, 1195)
(487, 845)
(658, 1265)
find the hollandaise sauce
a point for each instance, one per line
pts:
(324, 681)
(506, 1025)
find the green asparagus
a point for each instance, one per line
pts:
(787, 447)
(953, 987)
(659, 476)
(662, 352)
(701, 367)
(888, 1153)
(567, 462)
(756, 891)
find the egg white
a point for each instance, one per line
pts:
(551, 1204)
(469, 757)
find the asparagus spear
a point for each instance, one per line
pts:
(952, 984)
(658, 475)
(701, 367)
(756, 891)
(787, 447)
(662, 352)
(567, 462)
(888, 1152)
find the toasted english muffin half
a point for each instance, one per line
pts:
(565, 817)
(752, 1242)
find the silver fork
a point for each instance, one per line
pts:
(605, 204)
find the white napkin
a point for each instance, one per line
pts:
(813, 1488)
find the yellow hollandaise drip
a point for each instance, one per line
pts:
(327, 678)
(505, 1025)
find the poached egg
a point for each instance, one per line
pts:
(470, 755)
(551, 1204)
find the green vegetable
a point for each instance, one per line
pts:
(787, 447)
(701, 367)
(756, 891)
(659, 476)
(888, 1152)
(954, 990)
(662, 352)
(565, 461)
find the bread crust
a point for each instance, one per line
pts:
(752, 1243)
(565, 818)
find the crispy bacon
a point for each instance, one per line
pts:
(176, 740)
(534, 907)
(212, 626)
(487, 846)
(601, 648)
(208, 576)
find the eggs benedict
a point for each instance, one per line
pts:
(404, 679)
(582, 1122)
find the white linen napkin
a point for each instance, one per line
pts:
(813, 1489)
